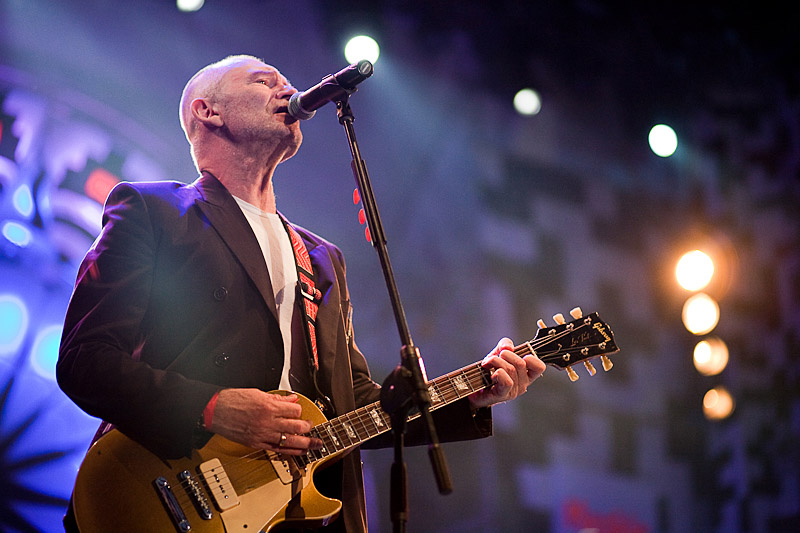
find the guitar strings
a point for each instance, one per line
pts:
(239, 466)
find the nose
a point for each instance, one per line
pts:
(286, 91)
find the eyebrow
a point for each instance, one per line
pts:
(273, 74)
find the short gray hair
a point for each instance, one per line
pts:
(206, 84)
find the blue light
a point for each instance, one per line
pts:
(17, 233)
(13, 323)
(23, 201)
(44, 353)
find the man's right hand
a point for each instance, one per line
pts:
(262, 420)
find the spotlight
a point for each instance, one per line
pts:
(362, 47)
(694, 270)
(527, 102)
(718, 403)
(663, 140)
(188, 6)
(700, 314)
(711, 356)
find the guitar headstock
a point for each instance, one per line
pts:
(569, 343)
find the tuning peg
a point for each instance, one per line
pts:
(590, 367)
(573, 376)
(540, 324)
(607, 364)
(576, 313)
(559, 318)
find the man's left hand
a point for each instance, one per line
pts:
(511, 377)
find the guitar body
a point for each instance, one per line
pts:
(115, 489)
(226, 487)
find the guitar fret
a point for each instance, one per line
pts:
(361, 415)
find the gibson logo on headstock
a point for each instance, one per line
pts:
(599, 327)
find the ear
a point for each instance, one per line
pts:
(206, 113)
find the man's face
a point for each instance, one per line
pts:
(253, 99)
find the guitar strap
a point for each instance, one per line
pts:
(309, 295)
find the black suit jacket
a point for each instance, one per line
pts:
(173, 302)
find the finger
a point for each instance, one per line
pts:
(503, 344)
(294, 426)
(503, 384)
(535, 367)
(286, 406)
(520, 368)
(299, 442)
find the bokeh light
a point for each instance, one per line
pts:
(17, 233)
(23, 201)
(362, 47)
(44, 353)
(13, 323)
(700, 313)
(718, 403)
(695, 270)
(190, 5)
(711, 356)
(527, 102)
(663, 140)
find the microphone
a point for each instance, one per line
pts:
(333, 87)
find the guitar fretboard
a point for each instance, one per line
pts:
(360, 425)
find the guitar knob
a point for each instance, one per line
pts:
(576, 313)
(573, 376)
(559, 318)
(540, 324)
(590, 367)
(607, 364)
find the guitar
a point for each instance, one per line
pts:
(229, 487)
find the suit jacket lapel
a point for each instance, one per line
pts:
(224, 214)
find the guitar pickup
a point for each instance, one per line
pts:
(219, 484)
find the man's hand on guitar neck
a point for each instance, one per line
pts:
(511, 376)
(262, 420)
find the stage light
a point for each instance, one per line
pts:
(711, 356)
(718, 403)
(17, 233)
(44, 354)
(362, 47)
(527, 102)
(663, 140)
(694, 271)
(23, 201)
(188, 6)
(700, 314)
(13, 323)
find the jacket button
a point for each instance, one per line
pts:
(220, 293)
(221, 359)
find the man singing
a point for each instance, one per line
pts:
(189, 306)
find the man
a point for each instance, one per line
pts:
(187, 308)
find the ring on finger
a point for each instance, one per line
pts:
(282, 441)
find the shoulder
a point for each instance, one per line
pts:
(152, 195)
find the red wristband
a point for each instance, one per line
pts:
(208, 412)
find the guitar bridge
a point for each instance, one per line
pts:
(171, 503)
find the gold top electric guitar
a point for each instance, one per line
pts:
(228, 487)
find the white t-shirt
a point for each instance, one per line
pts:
(279, 257)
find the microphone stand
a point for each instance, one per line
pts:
(405, 388)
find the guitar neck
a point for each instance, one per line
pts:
(561, 346)
(358, 426)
